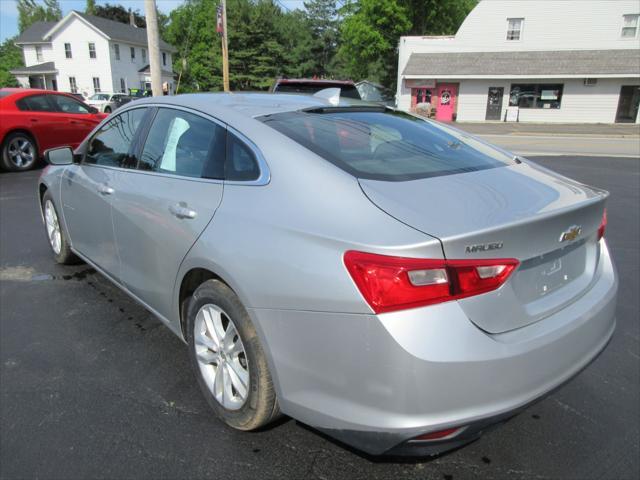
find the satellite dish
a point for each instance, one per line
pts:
(330, 94)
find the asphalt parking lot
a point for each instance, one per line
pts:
(92, 386)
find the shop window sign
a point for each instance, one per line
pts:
(533, 95)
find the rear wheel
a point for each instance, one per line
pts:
(228, 360)
(19, 152)
(55, 233)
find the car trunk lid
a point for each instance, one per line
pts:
(547, 222)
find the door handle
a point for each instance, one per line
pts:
(105, 190)
(33, 119)
(182, 211)
(73, 122)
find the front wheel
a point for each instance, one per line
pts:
(107, 109)
(228, 360)
(56, 234)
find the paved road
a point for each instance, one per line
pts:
(531, 145)
(92, 386)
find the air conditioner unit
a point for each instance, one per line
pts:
(590, 82)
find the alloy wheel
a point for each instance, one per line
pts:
(53, 227)
(221, 357)
(21, 152)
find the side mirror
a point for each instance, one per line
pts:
(93, 110)
(59, 156)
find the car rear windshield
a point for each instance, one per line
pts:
(309, 88)
(5, 94)
(386, 145)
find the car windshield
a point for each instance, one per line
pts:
(99, 96)
(386, 145)
(6, 94)
(309, 88)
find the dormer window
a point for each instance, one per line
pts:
(514, 28)
(630, 26)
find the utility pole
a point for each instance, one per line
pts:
(153, 38)
(222, 30)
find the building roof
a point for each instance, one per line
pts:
(112, 29)
(535, 63)
(35, 33)
(47, 67)
(121, 31)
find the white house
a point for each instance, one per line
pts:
(88, 54)
(529, 61)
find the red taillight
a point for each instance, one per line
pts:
(396, 283)
(448, 433)
(603, 225)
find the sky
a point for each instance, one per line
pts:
(9, 11)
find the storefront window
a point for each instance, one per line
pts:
(535, 95)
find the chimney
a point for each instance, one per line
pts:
(132, 19)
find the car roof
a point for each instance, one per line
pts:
(315, 80)
(249, 104)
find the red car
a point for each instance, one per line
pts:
(32, 121)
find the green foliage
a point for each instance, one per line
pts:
(10, 58)
(31, 11)
(90, 9)
(359, 40)
(435, 17)
(369, 38)
(118, 13)
(370, 33)
(322, 20)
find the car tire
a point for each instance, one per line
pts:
(19, 152)
(56, 234)
(107, 109)
(216, 371)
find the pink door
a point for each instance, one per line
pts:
(447, 96)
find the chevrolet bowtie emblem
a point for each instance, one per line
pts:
(571, 234)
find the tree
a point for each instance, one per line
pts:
(118, 13)
(371, 30)
(30, 12)
(10, 58)
(90, 9)
(264, 42)
(323, 23)
(192, 29)
(435, 17)
(369, 38)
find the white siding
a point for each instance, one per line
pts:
(548, 26)
(79, 35)
(30, 56)
(580, 104)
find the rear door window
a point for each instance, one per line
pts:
(112, 145)
(181, 143)
(241, 165)
(36, 103)
(385, 145)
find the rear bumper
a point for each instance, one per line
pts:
(375, 382)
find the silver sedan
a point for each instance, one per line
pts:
(391, 281)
